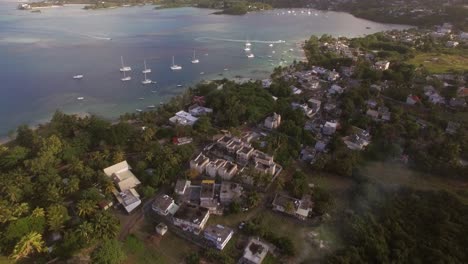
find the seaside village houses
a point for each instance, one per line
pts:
(193, 203)
(126, 182)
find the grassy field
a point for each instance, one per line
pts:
(440, 63)
(143, 248)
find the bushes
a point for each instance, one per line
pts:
(398, 231)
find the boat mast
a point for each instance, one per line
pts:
(121, 60)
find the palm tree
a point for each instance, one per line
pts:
(105, 225)
(108, 186)
(86, 231)
(30, 243)
(86, 207)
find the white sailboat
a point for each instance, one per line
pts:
(248, 44)
(146, 80)
(146, 70)
(247, 48)
(174, 66)
(194, 59)
(125, 78)
(250, 56)
(124, 68)
(77, 77)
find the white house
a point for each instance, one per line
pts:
(219, 235)
(329, 128)
(199, 163)
(382, 65)
(273, 122)
(183, 118)
(213, 166)
(163, 205)
(228, 170)
(335, 89)
(191, 218)
(196, 110)
(255, 252)
(181, 186)
(121, 175)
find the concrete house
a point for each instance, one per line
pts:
(412, 99)
(181, 186)
(163, 204)
(358, 140)
(126, 182)
(122, 176)
(230, 192)
(196, 110)
(207, 196)
(219, 235)
(244, 153)
(273, 122)
(199, 163)
(213, 166)
(255, 252)
(265, 168)
(191, 218)
(382, 65)
(292, 206)
(228, 170)
(329, 128)
(234, 145)
(183, 118)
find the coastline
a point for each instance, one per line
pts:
(93, 106)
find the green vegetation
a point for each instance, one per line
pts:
(398, 230)
(419, 13)
(229, 7)
(108, 252)
(440, 63)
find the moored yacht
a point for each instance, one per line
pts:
(77, 77)
(146, 80)
(146, 70)
(125, 78)
(194, 59)
(174, 66)
(124, 68)
(250, 56)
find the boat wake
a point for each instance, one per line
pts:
(240, 40)
(96, 37)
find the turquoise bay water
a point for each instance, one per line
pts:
(40, 52)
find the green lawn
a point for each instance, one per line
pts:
(440, 63)
(168, 249)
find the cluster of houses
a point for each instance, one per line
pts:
(189, 118)
(320, 103)
(230, 156)
(193, 218)
(126, 182)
